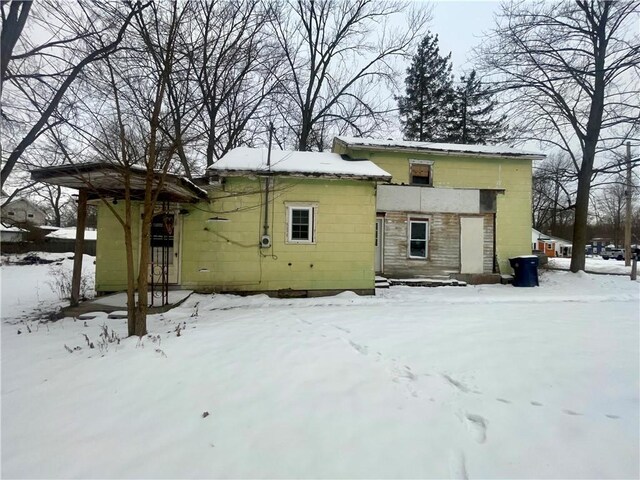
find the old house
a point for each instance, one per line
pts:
(315, 223)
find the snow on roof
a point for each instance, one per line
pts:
(10, 228)
(494, 150)
(536, 235)
(301, 163)
(69, 233)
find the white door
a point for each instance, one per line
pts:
(471, 244)
(164, 254)
(379, 241)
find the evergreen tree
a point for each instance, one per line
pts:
(470, 119)
(426, 107)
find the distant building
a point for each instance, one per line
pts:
(551, 246)
(22, 211)
(10, 233)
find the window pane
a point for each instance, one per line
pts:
(300, 216)
(300, 224)
(418, 248)
(418, 231)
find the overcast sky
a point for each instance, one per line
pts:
(459, 26)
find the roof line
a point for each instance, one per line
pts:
(422, 150)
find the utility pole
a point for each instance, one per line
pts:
(627, 223)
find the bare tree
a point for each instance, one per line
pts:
(553, 191)
(37, 77)
(570, 70)
(14, 18)
(339, 55)
(125, 118)
(611, 206)
(235, 64)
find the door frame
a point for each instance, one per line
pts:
(177, 239)
(379, 244)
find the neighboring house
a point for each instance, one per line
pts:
(551, 246)
(305, 225)
(22, 211)
(454, 210)
(11, 233)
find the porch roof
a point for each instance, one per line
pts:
(108, 180)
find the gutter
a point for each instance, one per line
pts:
(330, 176)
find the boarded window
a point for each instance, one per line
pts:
(421, 174)
(418, 238)
(488, 201)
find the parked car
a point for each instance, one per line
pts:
(617, 253)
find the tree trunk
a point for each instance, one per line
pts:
(143, 274)
(581, 216)
(131, 287)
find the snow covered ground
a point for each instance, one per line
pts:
(594, 264)
(29, 291)
(490, 381)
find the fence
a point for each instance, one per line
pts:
(57, 246)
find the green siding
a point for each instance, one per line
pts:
(226, 254)
(217, 255)
(111, 260)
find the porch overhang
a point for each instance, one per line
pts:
(104, 180)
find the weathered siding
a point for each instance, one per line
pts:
(444, 245)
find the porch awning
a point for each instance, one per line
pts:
(108, 180)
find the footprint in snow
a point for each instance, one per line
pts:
(614, 417)
(457, 466)
(536, 404)
(345, 330)
(459, 385)
(503, 400)
(362, 349)
(477, 425)
(571, 412)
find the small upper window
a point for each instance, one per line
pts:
(421, 172)
(301, 223)
(30, 215)
(12, 213)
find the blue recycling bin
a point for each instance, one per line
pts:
(525, 271)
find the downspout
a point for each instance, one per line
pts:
(265, 229)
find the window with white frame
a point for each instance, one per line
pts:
(418, 238)
(301, 223)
